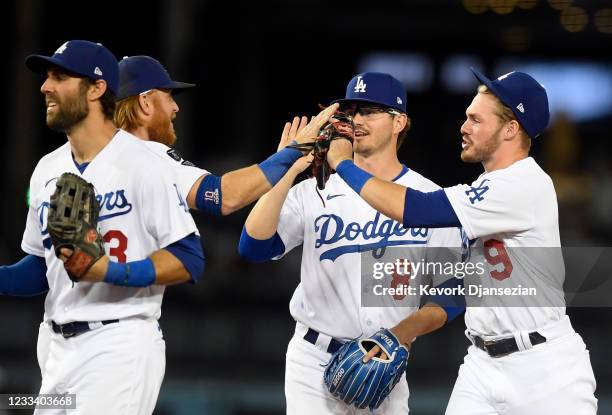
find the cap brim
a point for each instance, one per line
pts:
(40, 63)
(177, 87)
(486, 81)
(351, 100)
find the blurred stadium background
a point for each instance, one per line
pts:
(257, 64)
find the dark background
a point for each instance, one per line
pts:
(257, 64)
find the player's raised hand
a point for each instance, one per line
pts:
(339, 150)
(311, 131)
(291, 130)
(301, 164)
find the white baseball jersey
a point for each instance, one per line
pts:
(513, 208)
(186, 172)
(142, 211)
(328, 298)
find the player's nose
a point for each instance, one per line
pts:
(46, 87)
(464, 128)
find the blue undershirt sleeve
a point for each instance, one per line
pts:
(260, 250)
(428, 210)
(453, 304)
(189, 251)
(27, 277)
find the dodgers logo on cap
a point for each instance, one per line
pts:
(377, 88)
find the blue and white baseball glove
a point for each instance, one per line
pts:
(366, 385)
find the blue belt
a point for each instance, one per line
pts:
(311, 336)
(75, 328)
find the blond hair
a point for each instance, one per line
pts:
(126, 114)
(505, 114)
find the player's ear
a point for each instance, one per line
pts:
(399, 122)
(511, 129)
(145, 104)
(97, 89)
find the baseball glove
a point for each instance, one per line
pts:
(340, 126)
(366, 385)
(72, 221)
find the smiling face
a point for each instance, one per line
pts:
(66, 100)
(481, 130)
(375, 127)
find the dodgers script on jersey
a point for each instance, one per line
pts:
(328, 298)
(508, 214)
(142, 211)
(186, 172)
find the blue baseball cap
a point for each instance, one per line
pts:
(377, 88)
(138, 74)
(525, 96)
(81, 57)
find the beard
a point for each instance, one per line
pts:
(70, 111)
(484, 152)
(161, 129)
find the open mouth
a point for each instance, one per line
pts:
(51, 105)
(465, 144)
(360, 133)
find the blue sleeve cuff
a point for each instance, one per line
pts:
(275, 166)
(428, 210)
(353, 175)
(258, 250)
(208, 197)
(453, 304)
(27, 277)
(189, 251)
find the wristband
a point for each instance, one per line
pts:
(132, 274)
(275, 166)
(353, 175)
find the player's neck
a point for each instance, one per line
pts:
(141, 132)
(90, 136)
(499, 163)
(381, 165)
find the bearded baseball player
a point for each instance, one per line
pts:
(325, 371)
(524, 360)
(146, 108)
(104, 235)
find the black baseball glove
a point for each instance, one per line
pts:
(72, 221)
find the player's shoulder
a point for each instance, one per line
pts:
(525, 174)
(138, 151)
(52, 161)
(417, 181)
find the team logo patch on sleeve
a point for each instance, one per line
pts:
(176, 156)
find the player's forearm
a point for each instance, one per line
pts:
(427, 319)
(169, 270)
(263, 219)
(166, 270)
(386, 197)
(179, 262)
(242, 187)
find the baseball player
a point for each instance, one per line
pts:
(524, 360)
(146, 108)
(100, 339)
(327, 303)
